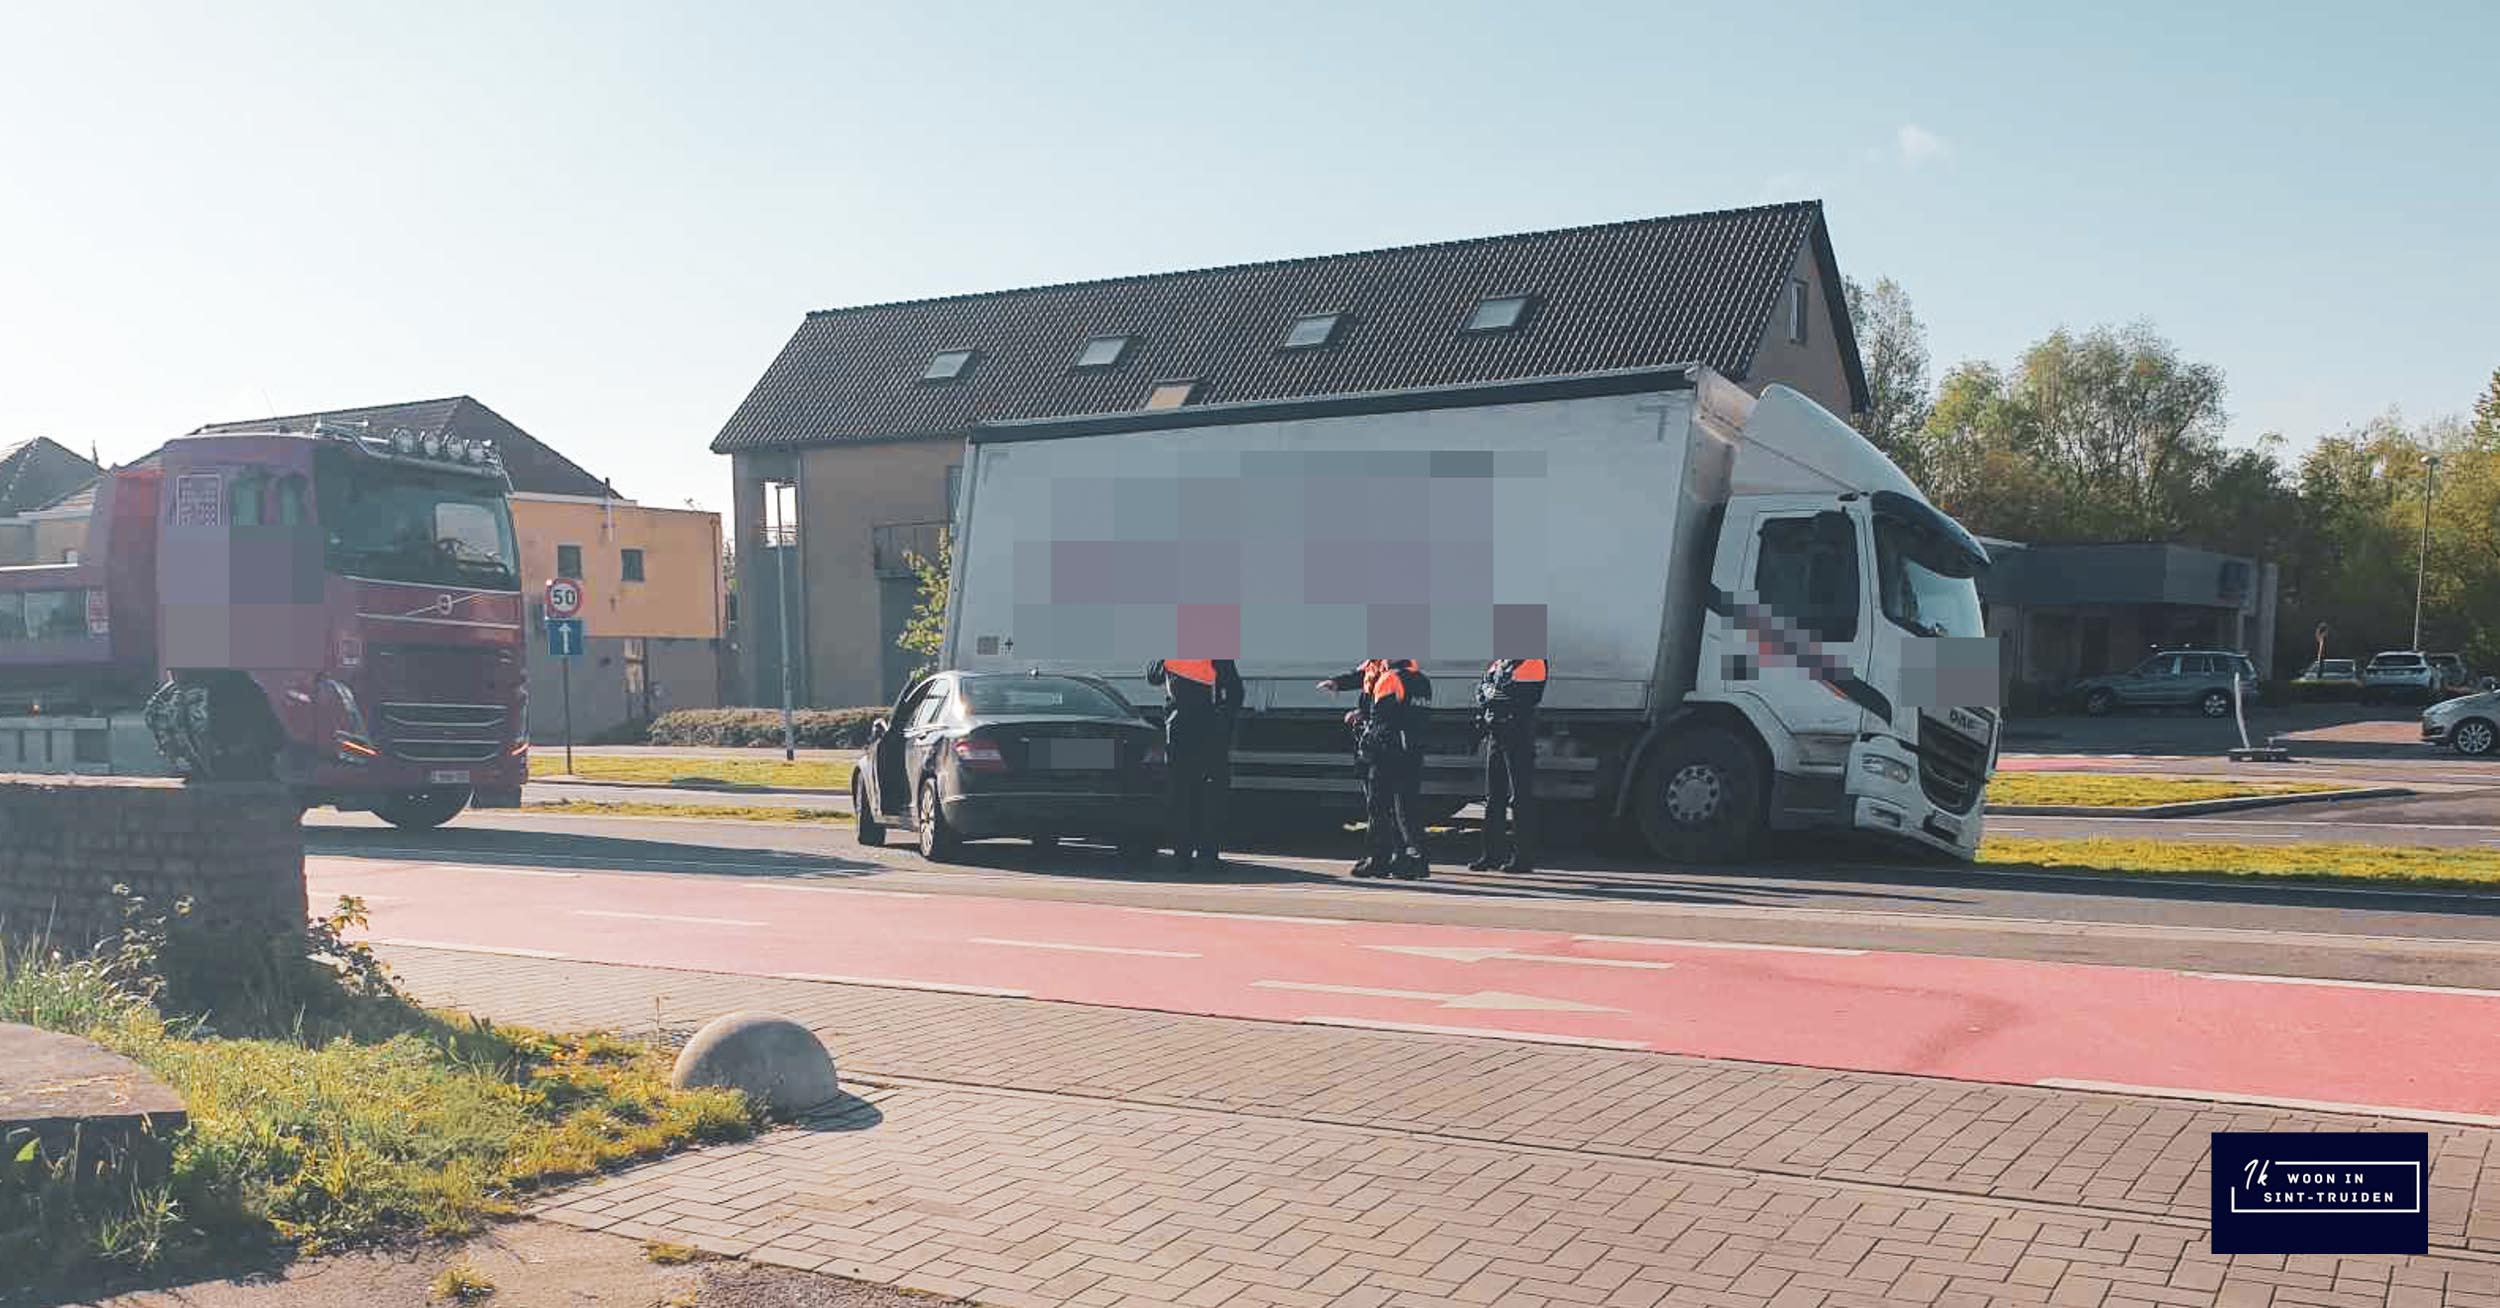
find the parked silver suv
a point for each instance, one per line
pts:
(2401, 674)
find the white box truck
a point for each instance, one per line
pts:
(1753, 619)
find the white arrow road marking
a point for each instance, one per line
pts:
(1478, 1032)
(1482, 999)
(1082, 949)
(1475, 954)
(668, 917)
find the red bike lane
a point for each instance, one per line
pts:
(2413, 1050)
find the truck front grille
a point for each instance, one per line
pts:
(1952, 768)
(443, 733)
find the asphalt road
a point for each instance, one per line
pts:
(1811, 898)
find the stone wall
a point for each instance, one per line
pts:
(237, 851)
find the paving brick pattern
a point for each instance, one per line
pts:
(1023, 1152)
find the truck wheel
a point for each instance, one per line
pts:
(423, 810)
(864, 824)
(938, 842)
(1701, 799)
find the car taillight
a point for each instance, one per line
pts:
(980, 755)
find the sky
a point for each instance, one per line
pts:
(604, 220)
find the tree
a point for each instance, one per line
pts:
(925, 634)
(2487, 412)
(1893, 345)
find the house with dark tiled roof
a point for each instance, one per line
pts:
(35, 475)
(860, 421)
(651, 576)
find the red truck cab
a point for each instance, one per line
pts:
(338, 610)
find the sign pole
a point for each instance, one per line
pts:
(783, 537)
(567, 665)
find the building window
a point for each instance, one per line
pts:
(632, 562)
(1312, 330)
(569, 561)
(1797, 311)
(1103, 352)
(1171, 394)
(1498, 313)
(946, 365)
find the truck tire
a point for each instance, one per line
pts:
(423, 810)
(1701, 799)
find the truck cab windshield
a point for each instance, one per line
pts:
(391, 522)
(1928, 582)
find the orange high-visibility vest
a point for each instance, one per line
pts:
(1201, 671)
(1384, 681)
(1529, 670)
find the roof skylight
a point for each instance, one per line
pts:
(1498, 313)
(1312, 330)
(947, 365)
(1102, 352)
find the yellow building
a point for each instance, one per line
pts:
(651, 577)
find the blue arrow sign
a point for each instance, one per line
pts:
(564, 637)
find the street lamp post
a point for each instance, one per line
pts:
(781, 532)
(2421, 567)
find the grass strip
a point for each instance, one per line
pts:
(662, 769)
(341, 1114)
(2408, 865)
(2115, 790)
(729, 812)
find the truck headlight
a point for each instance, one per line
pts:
(1890, 769)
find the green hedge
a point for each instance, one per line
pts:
(761, 728)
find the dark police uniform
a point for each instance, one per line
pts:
(1506, 705)
(1389, 748)
(1200, 697)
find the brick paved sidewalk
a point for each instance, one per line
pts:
(1024, 1152)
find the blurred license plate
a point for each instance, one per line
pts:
(1072, 754)
(1948, 827)
(447, 777)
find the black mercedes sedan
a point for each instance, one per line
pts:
(977, 755)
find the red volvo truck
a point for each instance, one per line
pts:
(338, 610)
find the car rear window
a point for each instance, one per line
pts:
(2397, 661)
(1041, 696)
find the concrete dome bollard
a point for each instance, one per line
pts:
(777, 1062)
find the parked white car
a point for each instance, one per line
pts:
(2401, 674)
(2468, 724)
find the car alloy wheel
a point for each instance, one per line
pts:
(2100, 702)
(2215, 704)
(2475, 737)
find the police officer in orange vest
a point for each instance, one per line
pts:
(1506, 705)
(1200, 697)
(1388, 725)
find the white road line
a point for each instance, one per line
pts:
(1082, 949)
(468, 949)
(1479, 1032)
(2257, 979)
(669, 917)
(1722, 944)
(492, 870)
(897, 983)
(840, 890)
(2268, 1101)
(1476, 954)
(1238, 917)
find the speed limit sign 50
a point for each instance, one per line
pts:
(564, 598)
